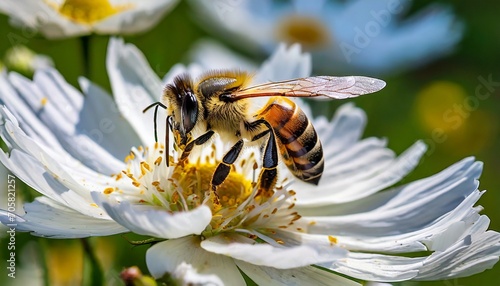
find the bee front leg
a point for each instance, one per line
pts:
(198, 141)
(224, 167)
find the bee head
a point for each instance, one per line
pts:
(184, 103)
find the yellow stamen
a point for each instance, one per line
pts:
(308, 31)
(87, 11)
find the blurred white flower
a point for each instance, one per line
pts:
(363, 36)
(23, 60)
(186, 275)
(68, 147)
(68, 18)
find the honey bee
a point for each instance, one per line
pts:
(222, 102)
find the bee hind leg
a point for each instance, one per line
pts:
(224, 167)
(269, 173)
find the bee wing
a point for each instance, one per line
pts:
(327, 86)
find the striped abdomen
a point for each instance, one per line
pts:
(298, 142)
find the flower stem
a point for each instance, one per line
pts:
(85, 44)
(96, 273)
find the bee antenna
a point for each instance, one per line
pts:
(155, 105)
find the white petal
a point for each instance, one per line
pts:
(345, 182)
(281, 257)
(142, 16)
(285, 63)
(429, 214)
(135, 86)
(45, 217)
(309, 275)
(101, 119)
(212, 55)
(38, 15)
(344, 130)
(72, 175)
(61, 114)
(148, 220)
(37, 175)
(473, 254)
(165, 256)
(377, 267)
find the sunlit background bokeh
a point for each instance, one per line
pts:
(452, 103)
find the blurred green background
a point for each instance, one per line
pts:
(408, 109)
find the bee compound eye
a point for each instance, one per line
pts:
(189, 111)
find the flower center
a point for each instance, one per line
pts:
(235, 205)
(88, 11)
(195, 179)
(309, 32)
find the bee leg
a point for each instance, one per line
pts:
(224, 167)
(269, 173)
(198, 141)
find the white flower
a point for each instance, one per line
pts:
(67, 18)
(363, 36)
(66, 146)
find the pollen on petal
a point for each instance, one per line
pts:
(44, 101)
(108, 191)
(333, 240)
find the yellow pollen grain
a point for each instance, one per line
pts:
(44, 101)
(140, 148)
(265, 216)
(93, 205)
(292, 193)
(283, 226)
(157, 145)
(135, 183)
(87, 11)
(333, 240)
(108, 191)
(118, 176)
(291, 206)
(274, 210)
(312, 222)
(279, 241)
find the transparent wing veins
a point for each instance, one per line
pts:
(327, 86)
